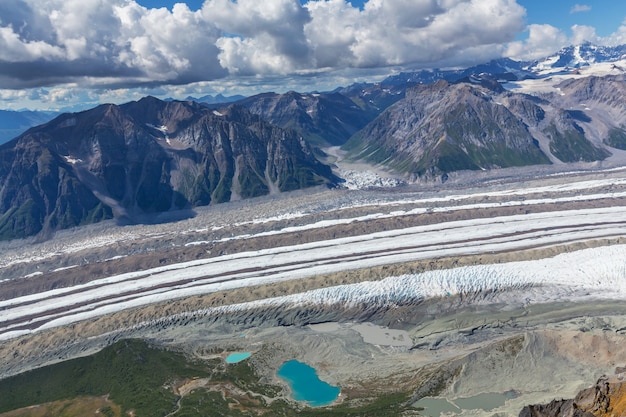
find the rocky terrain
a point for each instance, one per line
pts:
(458, 285)
(126, 162)
(324, 119)
(137, 160)
(464, 291)
(443, 127)
(606, 398)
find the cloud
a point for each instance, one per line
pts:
(578, 8)
(582, 33)
(409, 32)
(266, 36)
(103, 42)
(542, 41)
(119, 43)
(118, 48)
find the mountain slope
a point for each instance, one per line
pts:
(145, 157)
(502, 69)
(477, 124)
(575, 56)
(446, 127)
(606, 398)
(322, 119)
(13, 123)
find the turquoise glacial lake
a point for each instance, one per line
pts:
(237, 357)
(306, 385)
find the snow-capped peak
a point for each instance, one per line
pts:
(577, 56)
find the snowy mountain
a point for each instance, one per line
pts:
(502, 69)
(576, 56)
(145, 157)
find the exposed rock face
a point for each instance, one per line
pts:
(322, 119)
(475, 124)
(145, 157)
(446, 127)
(606, 398)
(601, 104)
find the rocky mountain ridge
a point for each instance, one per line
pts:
(606, 398)
(476, 124)
(576, 56)
(323, 119)
(13, 123)
(144, 158)
(150, 156)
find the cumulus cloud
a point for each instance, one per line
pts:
(103, 41)
(263, 36)
(121, 43)
(400, 32)
(579, 8)
(617, 38)
(582, 33)
(542, 41)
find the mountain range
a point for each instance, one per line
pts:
(142, 158)
(13, 123)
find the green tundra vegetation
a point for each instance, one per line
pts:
(131, 377)
(617, 138)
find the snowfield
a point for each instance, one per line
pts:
(571, 277)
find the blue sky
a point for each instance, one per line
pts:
(57, 54)
(604, 15)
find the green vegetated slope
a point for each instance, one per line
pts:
(443, 127)
(572, 146)
(617, 138)
(131, 372)
(132, 377)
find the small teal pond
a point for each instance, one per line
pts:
(237, 357)
(306, 385)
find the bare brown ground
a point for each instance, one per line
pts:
(78, 407)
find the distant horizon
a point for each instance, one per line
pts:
(78, 54)
(199, 95)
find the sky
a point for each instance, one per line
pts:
(70, 54)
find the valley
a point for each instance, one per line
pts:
(449, 241)
(462, 272)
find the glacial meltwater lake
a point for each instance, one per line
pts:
(306, 385)
(237, 357)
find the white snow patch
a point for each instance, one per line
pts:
(162, 129)
(359, 180)
(64, 268)
(72, 160)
